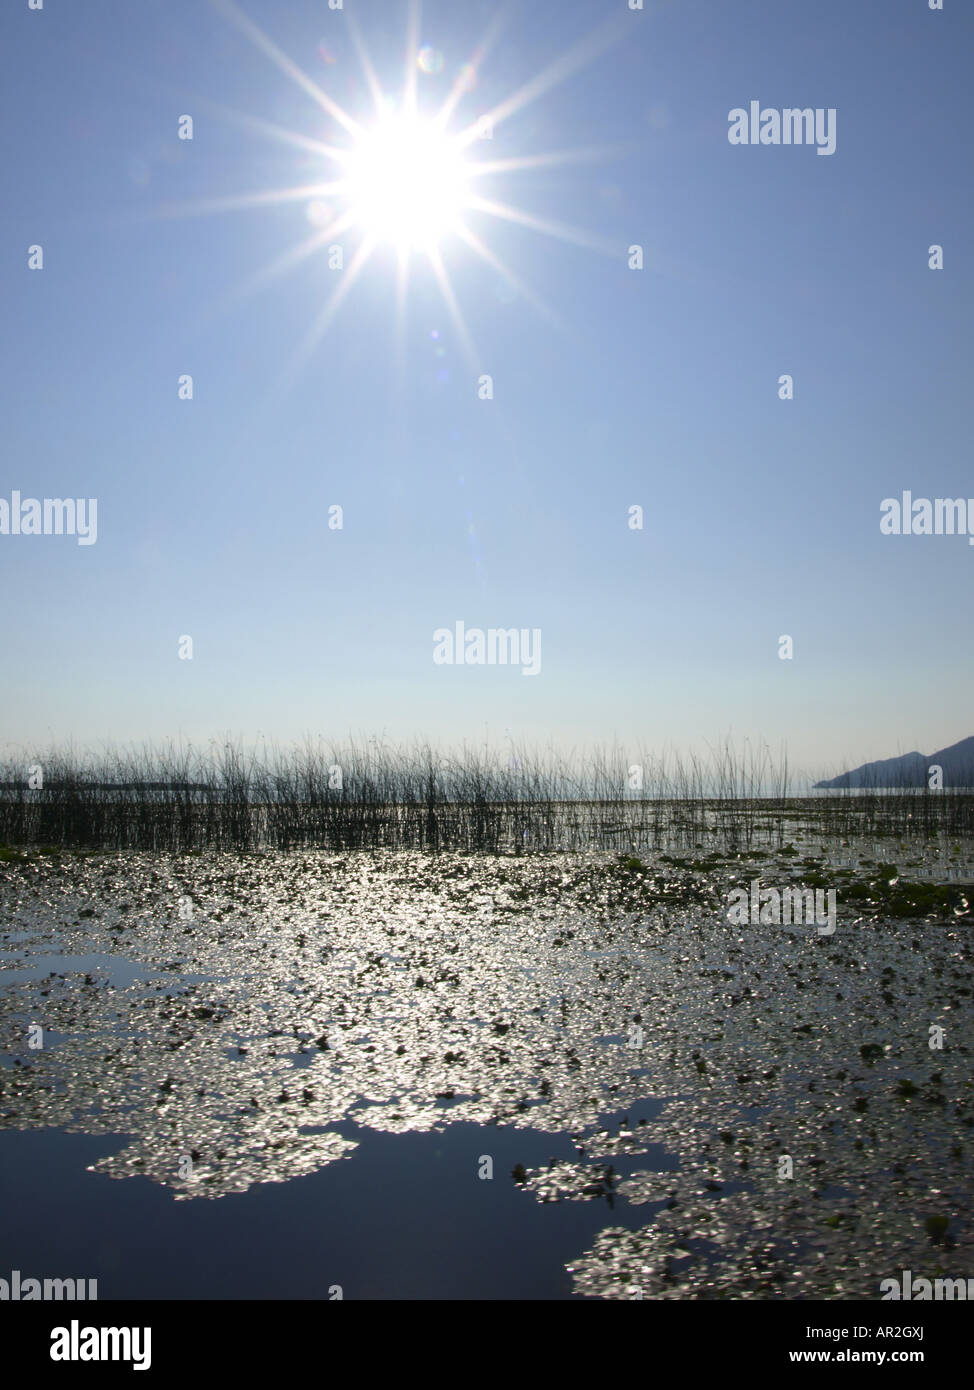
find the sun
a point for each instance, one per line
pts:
(397, 177)
(406, 184)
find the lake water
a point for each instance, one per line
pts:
(548, 1076)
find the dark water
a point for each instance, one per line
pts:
(407, 1218)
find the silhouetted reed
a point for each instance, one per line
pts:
(373, 795)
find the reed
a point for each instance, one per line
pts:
(369, 795)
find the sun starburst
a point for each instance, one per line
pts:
(403, 180)
(406, 183)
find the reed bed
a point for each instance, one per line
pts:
(373, 795)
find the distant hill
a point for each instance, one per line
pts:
(912, 769)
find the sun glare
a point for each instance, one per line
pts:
(405, 180)
(406, 183)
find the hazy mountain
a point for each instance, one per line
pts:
(912, 769)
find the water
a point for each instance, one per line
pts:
(275, 1074)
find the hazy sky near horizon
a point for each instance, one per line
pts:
(656, 388)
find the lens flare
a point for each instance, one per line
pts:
(430, 60)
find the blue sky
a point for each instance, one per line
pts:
(657, 387)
